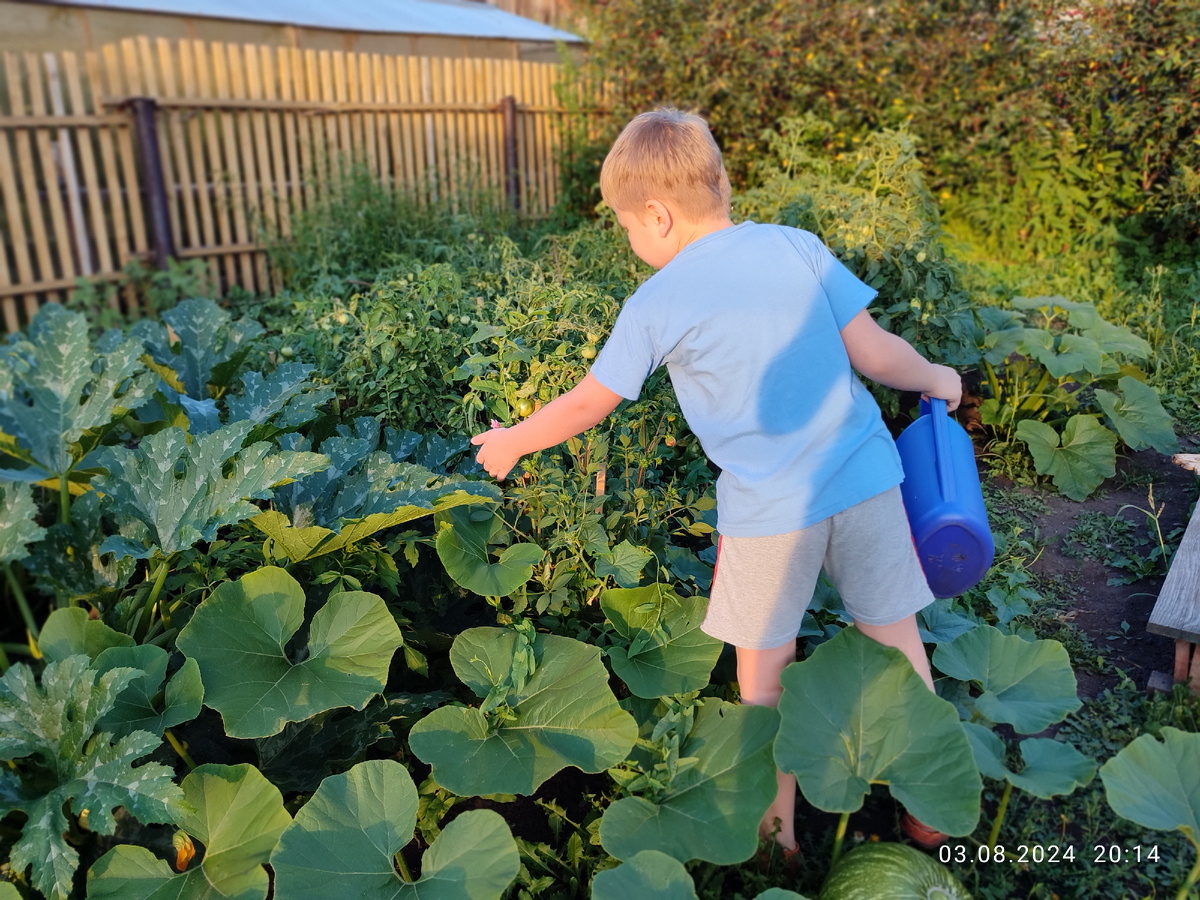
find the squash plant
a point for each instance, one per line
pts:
(61, 398)
(1055, 373)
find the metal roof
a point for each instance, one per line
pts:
(452, 18)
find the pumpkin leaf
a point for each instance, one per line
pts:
(856, 714)
(238, 637)
(1154, 782)
(1079, 461)
(70, 764)
(649, 873)
(1138, 416)
(345, 838)
(711, 809)
(185, 492)
(462, 546)
(564, 715)
(1050, 767)
(70, 631)
(238, 816)
(624, 563)
(1027, 684)
(665, 650)
(138, 707)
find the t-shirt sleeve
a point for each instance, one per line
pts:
(628, 356)
(848, 296)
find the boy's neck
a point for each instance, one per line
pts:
(693, 231)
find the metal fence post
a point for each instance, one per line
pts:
(512, 185)
(146, 127)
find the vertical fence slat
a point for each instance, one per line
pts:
(70, 171)
(265, 192)
(87, 158)
(204, 200)
(129, 174)
(288, 71)
(16, 230)
(248, 167)
(401, 145)
(279, 172)
(183, 190)
(60, 250)
(112, 179)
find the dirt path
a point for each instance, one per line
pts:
(1100, 608)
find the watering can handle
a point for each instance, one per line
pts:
(941, 448)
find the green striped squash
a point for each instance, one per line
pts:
(885, 871)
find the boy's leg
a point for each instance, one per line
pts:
(758, 679)
(902, 635)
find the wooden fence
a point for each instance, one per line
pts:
(232, 142)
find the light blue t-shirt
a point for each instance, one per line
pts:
(748, 322)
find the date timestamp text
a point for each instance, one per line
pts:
(1046, 854)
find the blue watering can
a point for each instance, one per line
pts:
(944, 502)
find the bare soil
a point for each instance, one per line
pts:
(1100, 608)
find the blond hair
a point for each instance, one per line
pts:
(668, 155)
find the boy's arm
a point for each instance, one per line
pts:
(892, 361)
(576, 411)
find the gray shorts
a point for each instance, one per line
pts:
(762, 585)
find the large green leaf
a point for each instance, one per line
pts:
(300, 544)
(1157, 783)
(344, 840)
(1070, 354)
(71, 765)
(1138, 416)
(666, 652)
(1050, 767)
(711, 809)
(285, 398)
(184, 490)
(236, 814)
(646, 874)
(57, 388)
(71, 631)
(210, 345)
(1079, 461)
(462, 545)
(239, 637)
(18, 521)
(1027, 684)
(146, 705)
(624, 562)
(564, 715)
(856, 714)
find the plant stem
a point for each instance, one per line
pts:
(838, 837)
(160, 576)
(4, 663)
(404, 873)
(999, 816)
(64, 499)
(1190, 881)
(183, 754)
(22, 649)
(19, 594)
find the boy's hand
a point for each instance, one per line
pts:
(946, 385)
(496, 453)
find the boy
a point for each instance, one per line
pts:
(760, 328)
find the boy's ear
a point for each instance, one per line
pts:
(658, 216)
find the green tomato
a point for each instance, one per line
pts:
(588, 351)
(592, 337)
(286, 352)
(341, 318)
(524, 407)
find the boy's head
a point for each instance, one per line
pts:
(671, 156)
